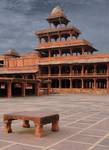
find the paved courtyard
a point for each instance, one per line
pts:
(84, 123)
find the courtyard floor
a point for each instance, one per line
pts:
(84, 123)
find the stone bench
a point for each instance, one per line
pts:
(39, 119)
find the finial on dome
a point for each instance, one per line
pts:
(57, 11)
(57, 16)
(12, 52)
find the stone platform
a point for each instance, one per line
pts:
(84, 123)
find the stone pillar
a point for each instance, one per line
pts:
(107, 83)
(49, 71)
(49, 39)
(59, 83)
(94, 69)
(107, 68)
(70, 69)
(70, 83)
(49, 87)
(59, 70)
(59, 52)
(82, 70)
(70, 33)
(59, 37)
(49, 53)
(82, 50)
(94, 83)
(23, 88)
(37, 88)
(9, 89)
(71, 52)
(82, 83)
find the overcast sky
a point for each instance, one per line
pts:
(20, 18)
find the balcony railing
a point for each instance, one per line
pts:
(76, 74)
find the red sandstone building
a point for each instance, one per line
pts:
(61, 63)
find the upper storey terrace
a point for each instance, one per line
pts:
(61, 35)
(11, 62)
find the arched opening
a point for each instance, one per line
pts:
(76, 83)
(101, 68)
(18, 76)
(64, 36)
(89, 69)
(77, 69)
(65, 83)
(3, 89)
(54, 38)
(101, 83)
(65, 69)
(30, 89)
(89, 83)
(65, 52)
(55, 83)
(44, 53)
(16, 89)
(42, 40)
(54, 69)
(30, 76)
(43, 70)
(54, 53)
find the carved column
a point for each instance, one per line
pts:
(49, 72)
(59, 70)
(107, 83)
(70, 33)
(94, 83)
(71, 52)
(73, 70)
(59, 52)
(83, 51)
(70, 69)
(9, 89)
(49, 87)
(37, 88)
(49, 39)
(23, 88)
(59, 83)
(59, 36)
(82, 70)
(107, 68)
(94, 69)
(82, 83)
(49, 53)
(70, 83)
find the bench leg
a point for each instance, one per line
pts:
(55, 126)
(7, 126)
(38, 130)
(26, 124)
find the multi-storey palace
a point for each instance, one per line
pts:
(61, 63)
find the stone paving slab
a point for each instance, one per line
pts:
(68, 145)
(21, 147)
(3, 144)
(21, 135)
(84, 123)
(100, 148)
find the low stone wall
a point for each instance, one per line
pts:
(77, 91)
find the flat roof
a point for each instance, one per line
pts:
(76, 59)
(63, 44)
(59, 29)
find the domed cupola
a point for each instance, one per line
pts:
(57, 17)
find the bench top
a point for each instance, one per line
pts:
(31, 115)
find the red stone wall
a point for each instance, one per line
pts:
(77, 91)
